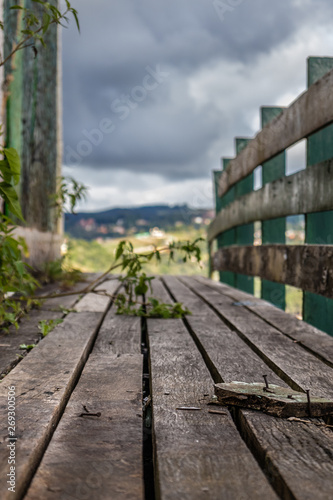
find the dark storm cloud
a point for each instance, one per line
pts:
(165, 129)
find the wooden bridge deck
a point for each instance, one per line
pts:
(83, 431)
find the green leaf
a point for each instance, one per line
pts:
(10, 196)
(120, 249)
(5, 171)
(74, 12)
(20, 267)
(27, 347)
(46, 22)
(14, 163)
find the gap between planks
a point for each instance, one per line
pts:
(100, 457)
(319, 343)
(43, 383)
(196, 453)
(297, 458)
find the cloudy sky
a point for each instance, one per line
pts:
(155, 91)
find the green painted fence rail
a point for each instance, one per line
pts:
(308, 192)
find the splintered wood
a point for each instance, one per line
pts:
(274, 400)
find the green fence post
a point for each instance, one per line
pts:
(273, 231)
(318, 310)
(228, 237)
(13, 79)
(33, 117)
(244, 234)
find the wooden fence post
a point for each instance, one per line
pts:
(34, 129)
(318, 310)
(228, 237)
(244, 234)
(273, 231)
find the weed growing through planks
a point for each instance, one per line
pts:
(47, 325)
(26, 347)
(137, 284)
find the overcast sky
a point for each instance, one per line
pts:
(155, 91)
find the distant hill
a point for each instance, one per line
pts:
(125, 221)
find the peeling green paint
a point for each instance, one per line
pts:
(317, 310)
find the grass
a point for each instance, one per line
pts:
(97, 256)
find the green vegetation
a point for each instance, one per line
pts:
(15, 274)
(36, 24)
(94, 256)
(46, 326)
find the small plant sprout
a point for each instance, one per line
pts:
(46, 326)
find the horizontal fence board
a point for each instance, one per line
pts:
(312, 111)
(307, 191)
(308, 267)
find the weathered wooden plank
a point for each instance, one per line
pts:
(318, 342)
(109, 446)
(308, 267)
(309, 190)
(119, 334)
(297, 457)
(94, 302)
(68, 302)
(43, 383)
(312, 111)
(28, 333)
(97, 457)
(296, 366)
(272, 399)
(300, 454)
(223, 346)
(194, 455)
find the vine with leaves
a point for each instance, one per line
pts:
(15, 274)
(17, 284)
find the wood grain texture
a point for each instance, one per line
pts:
(318, 342)
(100, 457)
(197, 454)
(312, 111)
(297, 457)
(44, 381)
(307, 191)
(93, 302)
(231, 358)
(119, 335)
(68, 302)
(300, 454)
(274, 400)
(28, 333)
(308, 267)
(296, 366)
(41, 154)
(97, 457)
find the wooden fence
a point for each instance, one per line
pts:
(32, 116)
(308, 192)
